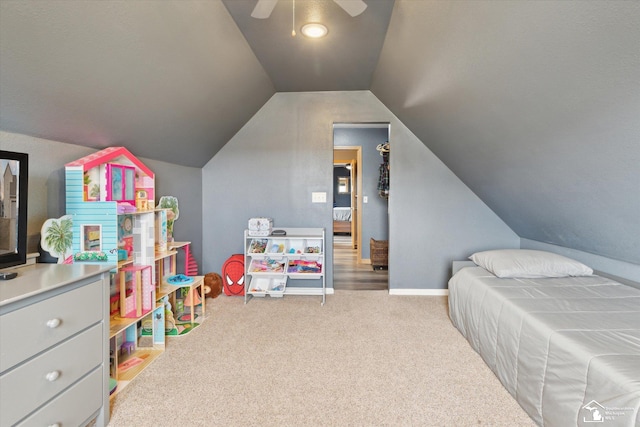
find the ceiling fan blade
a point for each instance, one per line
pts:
(352, 7)
(263, 9)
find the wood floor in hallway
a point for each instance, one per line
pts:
(349, 275)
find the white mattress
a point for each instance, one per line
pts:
(559, 346)
(342, 214)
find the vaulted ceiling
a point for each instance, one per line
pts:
(534, 105)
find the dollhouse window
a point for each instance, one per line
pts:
(91, 238)
(121, 183)
(130, 183)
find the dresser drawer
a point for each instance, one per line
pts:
(29, 330)
(33, 383)
(73, 407)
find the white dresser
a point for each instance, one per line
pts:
(54, 360)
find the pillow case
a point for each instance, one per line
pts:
(528, 264)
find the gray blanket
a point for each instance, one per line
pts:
(567, 349)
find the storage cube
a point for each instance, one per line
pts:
(277, 286)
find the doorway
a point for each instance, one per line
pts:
(346, 212)
(360, 213)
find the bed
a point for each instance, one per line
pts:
(566, 348)
(341, 220)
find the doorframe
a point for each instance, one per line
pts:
(357, 240)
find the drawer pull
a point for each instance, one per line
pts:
(52, 376)
(53, 323)
(55, 425)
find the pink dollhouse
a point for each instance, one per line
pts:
(99, 187)
(114, 174)
(101, 194)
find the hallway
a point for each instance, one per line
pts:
(348, 275)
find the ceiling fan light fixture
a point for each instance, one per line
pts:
(314, 30)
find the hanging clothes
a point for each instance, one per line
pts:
(383, 180)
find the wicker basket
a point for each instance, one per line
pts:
(379, 253)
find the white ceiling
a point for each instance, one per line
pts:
(534, 105)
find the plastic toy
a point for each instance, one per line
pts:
(127, 346)
(179, 279)
(169, 320)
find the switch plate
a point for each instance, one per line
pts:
(365, 199)
(319, 197)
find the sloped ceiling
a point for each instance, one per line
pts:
(534, 105)
(171, 80)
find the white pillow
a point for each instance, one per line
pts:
(530, 264)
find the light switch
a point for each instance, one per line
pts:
(365, 199)
(319, 197)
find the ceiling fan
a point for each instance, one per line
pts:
(264, 8)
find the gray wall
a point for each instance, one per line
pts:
(185, 183)
(533, 104)
(47, 185)
(613, 267)
(285, 152)
(375, 213)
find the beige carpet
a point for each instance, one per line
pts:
(364, 359)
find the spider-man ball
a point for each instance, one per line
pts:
(233, 275)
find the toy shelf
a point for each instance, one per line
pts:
(172, 290)
(162, 255)
(164, 290)
(124, 263)
(118, 324)
(270, 261)
(147, 354)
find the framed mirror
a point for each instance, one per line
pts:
(343, 185)
(13, 208)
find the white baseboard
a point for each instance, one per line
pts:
(406, 292)
(306, 291)
(422, 292)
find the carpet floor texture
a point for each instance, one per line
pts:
(365, 358)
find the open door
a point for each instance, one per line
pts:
(347, 159)
(353, 168)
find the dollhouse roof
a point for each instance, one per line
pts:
(104, 156)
